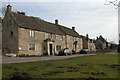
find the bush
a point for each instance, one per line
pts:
(45, 54)
(73, 52)
(26, 55)
(118, 48)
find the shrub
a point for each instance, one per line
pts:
(73, 52)
(45, 54)
(118, 48)
(26, 55)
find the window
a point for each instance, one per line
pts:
(58, 47)
(54, 37)
(11, 33)
(32, 33)
(61, 37)
(46, 35)
(11, 22)
(32, 47)
(51, 36)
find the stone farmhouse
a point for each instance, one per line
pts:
(23, 34)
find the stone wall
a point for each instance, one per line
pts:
(91, 46)
(9, 35)
(18, 40)
(25, 40)
(39, 40)
(72, 45)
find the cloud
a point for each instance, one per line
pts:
(93, 18)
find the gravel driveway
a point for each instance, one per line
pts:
(31, 59)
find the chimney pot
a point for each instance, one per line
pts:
(56, 22)
(9, 8)
(87, 36)
(73, 28)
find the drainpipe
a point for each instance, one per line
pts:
(66, 40)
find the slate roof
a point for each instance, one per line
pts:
(69, 31)
(41, 25)
(84, 38)
(102, 39)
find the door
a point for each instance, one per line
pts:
(50, 45)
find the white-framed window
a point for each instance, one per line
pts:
(32, 47)
(61, 37)
(46, 35)
(51, 36)
(54, 37)
(32, 33)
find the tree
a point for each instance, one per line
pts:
(4, 10)
(23, 13)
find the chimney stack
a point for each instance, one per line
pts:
(9, 8)
(56, 22)
(87, 36)
(73, 28)
(97, 37)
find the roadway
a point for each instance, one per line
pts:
(31, 59)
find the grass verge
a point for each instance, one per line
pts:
(94, 66)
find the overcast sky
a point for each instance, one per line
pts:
(88, 17)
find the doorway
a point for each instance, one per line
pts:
(50, 46)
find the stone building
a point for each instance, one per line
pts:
(30, 35)
(91, 46)
(88, 44)
(101, 43)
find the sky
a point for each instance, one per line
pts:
(91, 17)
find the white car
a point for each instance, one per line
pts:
(67, 51)
(10, 55)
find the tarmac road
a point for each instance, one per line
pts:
(31, 59)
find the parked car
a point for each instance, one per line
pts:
(65, 51)
(83, 51)
(10, 55)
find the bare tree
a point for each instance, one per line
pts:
(23, 13)
(4, 10)
(113, 2)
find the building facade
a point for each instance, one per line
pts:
(88, 44)
(101, 43)
(33, 36)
